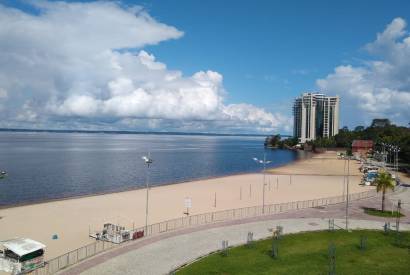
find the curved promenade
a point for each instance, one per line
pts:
(165, 252)
(162, 257)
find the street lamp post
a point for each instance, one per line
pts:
(148, 162)
(396, 151)
(392, 157)
(384, 154)
(347, 193)
(264, 162)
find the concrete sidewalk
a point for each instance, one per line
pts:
(161, 257)
(164, 252)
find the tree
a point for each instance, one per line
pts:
(345, 129)
(324, 142)
(288, 143)
(272, 141)
(384, 181)
(359, 128)
(380, 122)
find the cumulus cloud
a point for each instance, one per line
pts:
(381, 86)
(73, 63)
(3, 94)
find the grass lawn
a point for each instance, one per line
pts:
(379, 213)
(307, 253)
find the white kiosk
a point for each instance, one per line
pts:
(113, 233)
(21, 255)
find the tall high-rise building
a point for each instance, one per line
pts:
(315, 115)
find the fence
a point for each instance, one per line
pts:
(73, 257)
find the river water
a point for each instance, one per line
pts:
(44, 166)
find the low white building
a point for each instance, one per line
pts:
(21, 255)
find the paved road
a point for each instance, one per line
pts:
(162, 253)
(402, 193)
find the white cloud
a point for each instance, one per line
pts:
(380, 87)
(3, 94)
(71, 64)
(27, 114)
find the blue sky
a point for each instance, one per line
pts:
(266, 52)
(270, 51)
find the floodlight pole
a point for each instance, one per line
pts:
(264, 161)
(146, 205)
(347, 193)
(396, 157)
(148, 161)
(398, 215)
(344, 178)
(263, 190)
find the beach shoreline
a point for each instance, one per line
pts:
(72, 219)
(8, 206)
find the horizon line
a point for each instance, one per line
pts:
(133, 132)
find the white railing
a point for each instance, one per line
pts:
(54, 265)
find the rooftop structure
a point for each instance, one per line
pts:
(21, 255)
(113, 233)
(22, 246)
(362, 147)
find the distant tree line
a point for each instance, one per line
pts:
(380, 131)
(276, 141)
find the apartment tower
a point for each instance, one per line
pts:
(315, 115)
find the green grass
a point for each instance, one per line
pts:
(379, 213)
(307, 253)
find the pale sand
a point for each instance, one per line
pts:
(70, 219)
(320, 164)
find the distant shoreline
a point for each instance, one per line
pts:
(14, 130)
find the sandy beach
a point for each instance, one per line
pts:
(71, 219)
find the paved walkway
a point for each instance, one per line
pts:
(162, 253)
(161, 257)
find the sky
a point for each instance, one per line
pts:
(199, 66)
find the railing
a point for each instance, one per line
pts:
(73, 257)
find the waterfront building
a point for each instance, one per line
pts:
(315, 115)
(362, 147)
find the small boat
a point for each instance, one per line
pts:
(3, 174)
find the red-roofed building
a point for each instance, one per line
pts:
(362, 147)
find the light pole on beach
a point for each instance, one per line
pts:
(384, 154)
(264, 162)
(148, 162)
(396, 151)
(347, 192)
(392, 157)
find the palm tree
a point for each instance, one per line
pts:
(384, 181)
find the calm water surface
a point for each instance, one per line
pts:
(44, 166)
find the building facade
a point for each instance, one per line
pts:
(362, 147)
(315, 115)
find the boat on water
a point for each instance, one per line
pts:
(3, 174)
